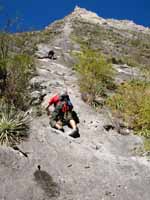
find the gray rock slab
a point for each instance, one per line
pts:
(98, 165)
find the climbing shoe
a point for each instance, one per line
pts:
(62, 130)
(75, 133)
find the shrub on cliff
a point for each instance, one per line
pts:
(132, 103)
(15, 73)
(19, 70)
(96, 74)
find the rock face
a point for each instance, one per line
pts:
(87, 15)
(120, 24)
(99, 165)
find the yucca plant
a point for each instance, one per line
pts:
(13, 125)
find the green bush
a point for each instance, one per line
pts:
(13, 125)
(95, 72)
(15, 72)
(132, 103)
(19, 70)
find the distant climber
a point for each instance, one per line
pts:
(39, 167)
(50, 55)
(63, 114)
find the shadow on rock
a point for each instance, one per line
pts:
(45, 181)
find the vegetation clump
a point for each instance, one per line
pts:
(132, 103)
(15, 72)
(96, 74)
(20, 69)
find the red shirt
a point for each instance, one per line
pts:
(54, 100)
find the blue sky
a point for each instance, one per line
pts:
(36, 14)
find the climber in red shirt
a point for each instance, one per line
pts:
(63, 113)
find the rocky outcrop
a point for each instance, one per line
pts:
(92, 17)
